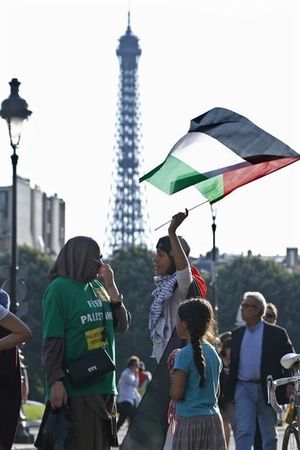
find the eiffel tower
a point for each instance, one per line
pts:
(127, 224)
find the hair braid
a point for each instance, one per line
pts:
(199, 359)
(199, 316)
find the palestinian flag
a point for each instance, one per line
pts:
(221, 152)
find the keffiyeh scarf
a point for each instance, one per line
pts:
(164, 290)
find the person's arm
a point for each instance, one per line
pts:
(107, 275)
(59, 395)
(180, 258)
(178, 383)
(52, 364)
(53, 359)
(54, 329)
(19, 332)
(178, 375)
(121, 316)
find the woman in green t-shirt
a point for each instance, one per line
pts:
(81, 314)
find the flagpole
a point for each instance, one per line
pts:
(191, 209)
(213, 263)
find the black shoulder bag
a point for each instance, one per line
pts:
(95, 363)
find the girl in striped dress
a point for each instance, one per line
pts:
(195, 381)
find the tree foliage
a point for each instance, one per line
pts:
(276, 283)
(36, 265)
(134, 276)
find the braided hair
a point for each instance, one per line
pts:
(199, 316)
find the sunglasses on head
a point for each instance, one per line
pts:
(269, 316)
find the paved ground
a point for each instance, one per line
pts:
(34, 429)
(168, 445)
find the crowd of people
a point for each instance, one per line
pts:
(217, 384)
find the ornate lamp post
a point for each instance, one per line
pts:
(14, 111)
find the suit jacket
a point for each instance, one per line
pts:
(275, 344)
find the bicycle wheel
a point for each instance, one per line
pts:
(290, 439)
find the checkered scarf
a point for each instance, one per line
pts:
(164, 290)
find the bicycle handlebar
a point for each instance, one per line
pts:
(273, 384)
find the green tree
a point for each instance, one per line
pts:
(36, 265)
(134, 276)
(276, 283)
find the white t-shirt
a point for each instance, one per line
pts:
(3, 312)
(127, 387)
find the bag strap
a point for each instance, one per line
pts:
(103, 311)
(95, 290)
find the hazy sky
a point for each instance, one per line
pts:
(196, 54)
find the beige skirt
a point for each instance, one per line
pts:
(92, 430)
(199, 433)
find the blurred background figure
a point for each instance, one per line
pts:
(269, 317)
(271, 314)
(253, 357)
(128, 398)
(227, 409)
(144, 378)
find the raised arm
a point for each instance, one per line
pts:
(120, 314)
(19, 332)
(107, 275)
(180, 258)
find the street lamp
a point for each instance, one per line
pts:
(14, 111)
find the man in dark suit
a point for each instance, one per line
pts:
(256, 350)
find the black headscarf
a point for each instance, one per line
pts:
(164, 244)
(79, 259)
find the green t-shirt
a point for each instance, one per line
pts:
(73, 311)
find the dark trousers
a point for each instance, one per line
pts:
(126, 411)
(257, 437)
